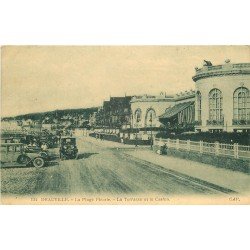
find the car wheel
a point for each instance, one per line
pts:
(38, 162)
(23, 159)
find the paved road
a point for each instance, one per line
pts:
(99, 170)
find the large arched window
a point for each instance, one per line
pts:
(241, 104)
(198, 96)
(215, 105)
(150, 118)
(137, 115)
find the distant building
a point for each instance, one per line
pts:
(115, 113)
(92, 119)
(222, 97)
(120, 111)
(99, 117)
(163, 110)
(10, 125)
(47, 126)
(147, 108)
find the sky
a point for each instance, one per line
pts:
(44, 78)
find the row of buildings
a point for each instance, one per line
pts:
(219, 102)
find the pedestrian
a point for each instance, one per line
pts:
(163, 148)
(44, 147)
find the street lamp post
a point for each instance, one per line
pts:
(151, 132)
(137, 120)
(136, 143)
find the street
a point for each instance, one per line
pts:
(99, 170)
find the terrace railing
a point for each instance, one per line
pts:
(215, 122)
(219, 149)
(198, 123)
(240, 122)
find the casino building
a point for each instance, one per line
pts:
(156, 112)
(147, 108)
(222, 101)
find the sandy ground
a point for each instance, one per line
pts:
(99, 170)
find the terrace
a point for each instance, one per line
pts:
(219, 70)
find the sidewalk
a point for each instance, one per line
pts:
(236, 181)
(229, 179)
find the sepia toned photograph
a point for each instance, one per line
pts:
(125, 125)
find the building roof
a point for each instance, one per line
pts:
(222, 70)
(172, 111)
(151, 98)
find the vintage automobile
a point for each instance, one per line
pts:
(10, 139)
(39, 139)
(7, 139)
(38, 150)
(13, 154)
(68, 148)
(48, 139)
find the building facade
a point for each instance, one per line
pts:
(146, 109)
(222, 100)
(115, 113)
(163, 111)
(180, 116)
(10, 125)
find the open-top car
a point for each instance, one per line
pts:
(48, 139)
(38, 150)
(68, 148)
(13, 154)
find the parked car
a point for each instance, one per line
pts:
(68, 148)
(48, 139)
(14, 153)
(7, 139)
(38, 150)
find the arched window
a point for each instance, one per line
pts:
(137, 115)
(241, 104)
(198, 96)
(150, 118)
(215, 105)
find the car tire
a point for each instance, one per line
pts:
(38, 162)
(23, 159)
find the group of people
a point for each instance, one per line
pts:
(34, 143)
(99, 136)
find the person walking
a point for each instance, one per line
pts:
(44, 147)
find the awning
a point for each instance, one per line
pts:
(170, 112)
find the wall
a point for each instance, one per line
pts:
(159, 105)
(227, 85)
